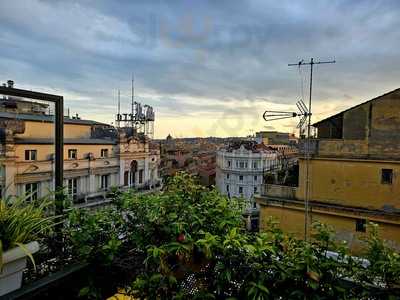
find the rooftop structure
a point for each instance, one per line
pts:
(97, 156)
(354, 164)
(276, 138)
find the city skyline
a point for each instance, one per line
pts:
(208, 69)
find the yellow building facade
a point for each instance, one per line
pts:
(354, 175)
(97, 156)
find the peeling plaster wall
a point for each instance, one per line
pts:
(355, 123)
(343, 148)
(385, 127)
(370, 130)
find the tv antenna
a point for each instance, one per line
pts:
(119, 108)
(133, 98)
(305, 114)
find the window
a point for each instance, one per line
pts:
(241, 164)
(31, 191)
(140, 176)
(73, 188)
(30, 154)
(361, 225)
(227, 176)
(241, 177)
(104, 153)
(254, 205)
(104, 181)
(72, 153)
(255, 189)
(255, 165)
(227, 187)
(387, 176)
(240, 190)
(133, 178)
(255, 178)
(126, 178)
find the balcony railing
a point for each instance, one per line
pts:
(278, 191)
(312, 146)
(336, 148)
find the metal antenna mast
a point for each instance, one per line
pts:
(308, 142)
(133, 100)
(119, 107)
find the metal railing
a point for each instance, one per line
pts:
(313, 144)
(278, 191)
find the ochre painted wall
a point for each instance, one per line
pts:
(347, 171)
(292, 221)
(354, 183)
(46, 130)
(44, 151)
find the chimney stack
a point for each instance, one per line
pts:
(10, 84)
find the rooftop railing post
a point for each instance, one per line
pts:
(59, 156)
(59, 168)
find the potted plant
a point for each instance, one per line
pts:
(21, 224)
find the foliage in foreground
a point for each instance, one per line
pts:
(196, 248)
(22, 222)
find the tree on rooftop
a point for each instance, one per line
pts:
(195, 247)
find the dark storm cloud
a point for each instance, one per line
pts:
(203, 50)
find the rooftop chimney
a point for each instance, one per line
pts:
(10, 84)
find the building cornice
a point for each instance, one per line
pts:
(354, 159)
(329, 209)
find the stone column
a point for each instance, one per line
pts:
(10, 171)
(10, 168)
(121, 171)
(146, 171)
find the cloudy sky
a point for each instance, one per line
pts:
(207, 67)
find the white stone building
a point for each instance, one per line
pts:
(240, 169)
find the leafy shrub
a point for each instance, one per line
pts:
(95, 236)
(181, 213)
(22, 222)
(196, 247)
(384, 267)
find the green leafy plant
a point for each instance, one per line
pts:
(195, 246)
(95, 236)
(198, 238)
(22, 222)
(384, 261)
